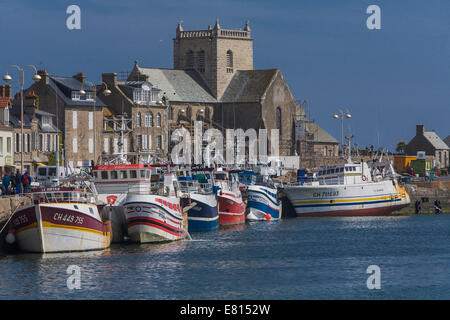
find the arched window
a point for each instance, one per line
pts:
(138, 119)
(189, 112)
(230, 61)
(190, 59)
(148, 119)
(201, 61)
(158, 120)
(278, 120)
(170, 112)
(207, 115)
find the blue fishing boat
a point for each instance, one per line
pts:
(199, 185)
(262, 201)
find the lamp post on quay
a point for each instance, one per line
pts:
(338, 115)
(7, 78)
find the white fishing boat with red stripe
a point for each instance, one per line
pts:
(154, 214)
(229, 198)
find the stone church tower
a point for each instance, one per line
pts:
(216, 54)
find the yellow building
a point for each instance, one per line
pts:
(402, 163)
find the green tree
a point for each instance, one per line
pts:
(401, 147)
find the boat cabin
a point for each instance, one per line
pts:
(62, 195)
(123, 178)
(348, 173)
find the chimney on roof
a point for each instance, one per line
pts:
(420, 129)
(110, 79)
(80, 77)
(5, 91)
(44, 76)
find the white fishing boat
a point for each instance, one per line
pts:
(262, 199)
(154, 213)
(350, 189)
(60, 219)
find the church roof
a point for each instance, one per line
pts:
(179, 85)
(248, 85)
(319, 134)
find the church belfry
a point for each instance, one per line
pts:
(215, 53)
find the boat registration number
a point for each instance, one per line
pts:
(68, 218)
(325, 194)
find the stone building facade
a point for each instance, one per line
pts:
(79, 115)
(40, 135)
(214, 53)
(6, 131)
(145, 116)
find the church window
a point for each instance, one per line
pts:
(230, 61)
(190, 60)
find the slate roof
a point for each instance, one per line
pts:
(15, 120)
(179, 85)
(434, 139)
(320, 135)
(248, 85)
(63, 87)
(447, 141)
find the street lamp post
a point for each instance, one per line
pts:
(107, 92)
(8, 78)
(338, 115)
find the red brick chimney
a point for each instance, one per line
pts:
(5, 91)
(80, 77)
(44, 76)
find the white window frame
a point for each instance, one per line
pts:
(76, 95)
(115, 146)
(91, 145)
(74, 145)
(91, 120)
(74, 119)
(106, 145)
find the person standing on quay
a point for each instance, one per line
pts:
(18, 182)
(6, 181)
(26, 180)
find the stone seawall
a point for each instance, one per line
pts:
(427, 193)
(9, 204)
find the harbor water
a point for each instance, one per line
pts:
(297, 258)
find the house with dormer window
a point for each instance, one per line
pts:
(38, 142)
(141, 103)
(78, 113)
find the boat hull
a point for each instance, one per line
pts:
(153, 218)
(231, 209)
(369, 199)
(45, 228)
(204, 216)
(262, 204)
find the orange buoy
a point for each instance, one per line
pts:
(267, 216)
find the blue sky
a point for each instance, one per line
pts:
(389, 79)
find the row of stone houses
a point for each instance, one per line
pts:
(213, 80)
